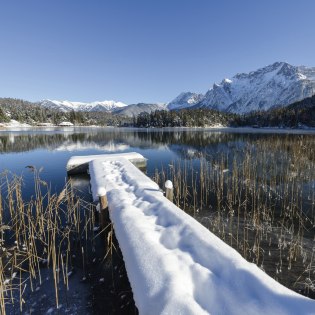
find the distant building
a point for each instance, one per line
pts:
(66, 124)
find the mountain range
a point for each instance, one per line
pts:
(136, 109)
(276, 85)
(67, 106)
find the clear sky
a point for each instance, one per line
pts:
(144, 50)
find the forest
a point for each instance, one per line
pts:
(297, 115)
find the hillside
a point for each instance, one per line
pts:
(185, 118)
(34, 113)
(136, 109)
(297, 115)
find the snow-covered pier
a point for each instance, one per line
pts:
(80, 164)
(174, 264)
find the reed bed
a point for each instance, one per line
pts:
(48, 230)
(259, 197)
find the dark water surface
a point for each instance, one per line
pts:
(51, 148)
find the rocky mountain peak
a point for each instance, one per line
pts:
(185, 100)
(278, 84)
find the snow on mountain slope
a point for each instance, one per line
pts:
(67, 106)
(185, 100)
(279, 84)
(136, 109)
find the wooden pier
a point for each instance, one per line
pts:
(174, 264)
(80, 164)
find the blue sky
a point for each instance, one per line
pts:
(144, 50)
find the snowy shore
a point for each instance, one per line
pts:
(14, 125)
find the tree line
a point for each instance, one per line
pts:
(32, 113)
(184, 118)
(296, 115)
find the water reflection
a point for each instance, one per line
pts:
(186, 143)
(50, 149)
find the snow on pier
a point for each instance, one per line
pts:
(174, 264)
(79, 164)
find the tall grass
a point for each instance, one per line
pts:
(38, 232)
(259, 198)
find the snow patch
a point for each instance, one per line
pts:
(184, 100)
(168, 184)
(14, 124)
(75, 161)
(101, 191)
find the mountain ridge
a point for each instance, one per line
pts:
(136, 109)
(184, 100)
(96, 106)
(275, 85)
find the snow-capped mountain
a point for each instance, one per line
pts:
(279, 84)
(67, 106)
(184, 100)
(136, 109)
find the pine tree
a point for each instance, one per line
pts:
(3, 116)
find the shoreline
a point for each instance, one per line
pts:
(247, 129)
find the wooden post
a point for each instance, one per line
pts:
(169, 190)
(104, 215)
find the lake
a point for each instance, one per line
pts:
(51, 148)
(254, 188)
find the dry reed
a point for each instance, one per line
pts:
(37, 232)
(260, 200)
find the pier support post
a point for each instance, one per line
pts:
(104, 215)
(169, 190)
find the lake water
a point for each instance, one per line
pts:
(51, 148)
(271, 172)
